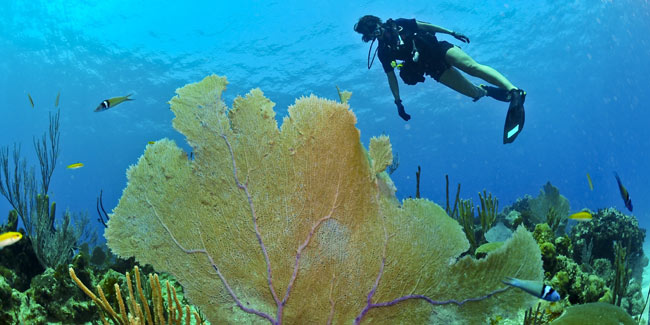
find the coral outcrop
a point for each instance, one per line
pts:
(294, 224)
(606, 227)
(547, 205)
(594, 313)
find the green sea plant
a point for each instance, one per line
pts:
(52, 242)
(548, 201)
(553, 219)
(622, 274)
(536, 210)
(531, 315)
(417, 183)
(488, 211)
(451, 211)
(466, 220)
(294, 224)
(12, 222)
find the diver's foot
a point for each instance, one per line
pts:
(516, 115)
(483, 92)
(517, 97)
(497, 93)
(402, 114)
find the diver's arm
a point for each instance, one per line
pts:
(392, 82)
(432, 28)
(426, 27)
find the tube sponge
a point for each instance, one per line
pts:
(290, 224)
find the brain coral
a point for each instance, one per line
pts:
(294, 225)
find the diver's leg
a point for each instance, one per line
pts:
(453, 79)
(457, 58)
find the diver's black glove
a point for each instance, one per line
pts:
(460, 37)
(401, 111)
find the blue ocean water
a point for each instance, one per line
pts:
(585, 66)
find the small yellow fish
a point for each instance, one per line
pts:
(56, 102)
(75, 166)
(152, 142)
(9, 238)
(581, 216)
(591, 185)
(31, 101)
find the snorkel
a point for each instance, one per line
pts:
(370, 36)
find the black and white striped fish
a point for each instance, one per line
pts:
(108, 103)
(535, 288)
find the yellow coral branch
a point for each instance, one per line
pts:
(136, 317)
(106, 305)
(145, 305)
(92, 296)
(120, 302)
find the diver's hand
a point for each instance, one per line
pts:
(460, 37)
(401, 111)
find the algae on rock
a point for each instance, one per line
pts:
(291, 224)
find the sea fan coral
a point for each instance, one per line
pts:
(291, 225)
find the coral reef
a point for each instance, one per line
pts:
(139, 301)
(606, 227)
(18, 260)
(300, 224)
(50, 299)
(600, 261)
(594, 313)
(597, 240)
(292, 225)
(549, 203)
(53, 297)
(576, 285)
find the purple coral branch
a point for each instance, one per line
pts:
(280, 304)
(305, 243)
(332, 303)
(427, 299)
(377, 279)
(214, 265)
(254, 215)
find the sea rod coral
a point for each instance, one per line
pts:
(294, 225)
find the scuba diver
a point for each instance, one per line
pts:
(414, 44)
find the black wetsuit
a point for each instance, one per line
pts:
(431, 51)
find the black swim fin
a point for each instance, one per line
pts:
(516, 116)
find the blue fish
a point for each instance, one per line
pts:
(535, 288)
(624, 194)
